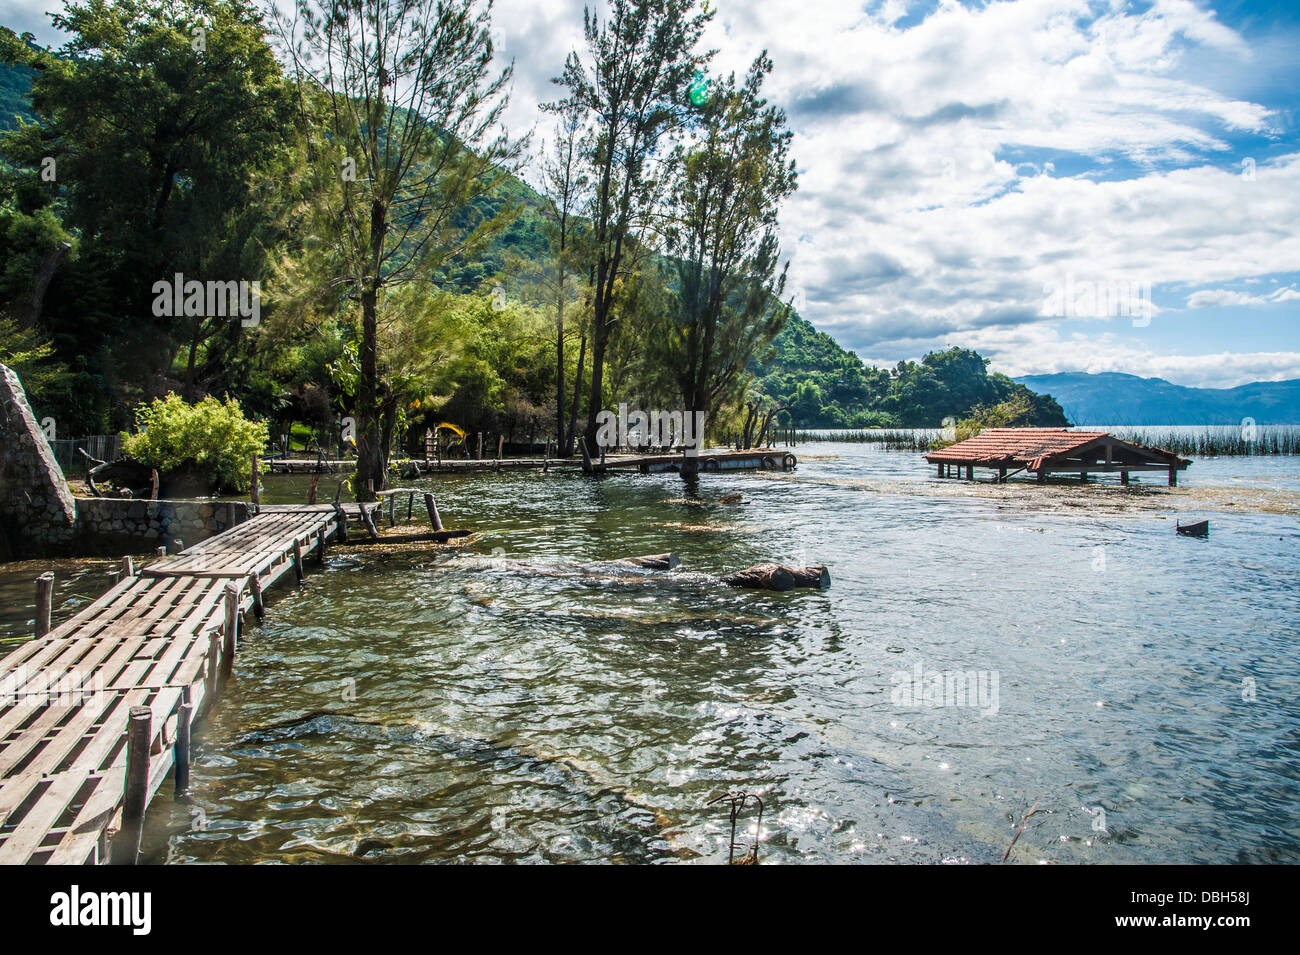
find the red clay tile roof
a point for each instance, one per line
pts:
(1019, 446)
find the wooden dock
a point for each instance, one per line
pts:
(96, 713)
(754, 459)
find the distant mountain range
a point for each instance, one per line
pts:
(1114, 398)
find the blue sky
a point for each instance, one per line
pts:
(960, 162)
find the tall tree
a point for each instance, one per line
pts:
(634, 84)
(729, 184)
(564, 186)
(411, 139)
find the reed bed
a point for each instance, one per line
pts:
(1205, 442)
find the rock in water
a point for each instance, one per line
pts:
(779, 577)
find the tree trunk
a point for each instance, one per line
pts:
(577, 395)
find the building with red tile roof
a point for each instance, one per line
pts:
(1045, 451)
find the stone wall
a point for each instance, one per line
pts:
(37, 512)
(111, 526)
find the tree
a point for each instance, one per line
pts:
(565, 184)
(633, 85)
(726, 194)
(162, 128)
(411, 140)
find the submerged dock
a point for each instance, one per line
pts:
(753, 459)
(96, 713)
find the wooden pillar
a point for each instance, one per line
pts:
(1123, 478)
(1042, 475)
(128, 567)
(392, 512)
(297, 562)
(501, 441)
(970, 472)
(1002, 475)
(479, 453)
(434, 517)
(1173, 476)
(259, 602)
(231, 629)
(214, 661)
(1083, 476)
(255, 492)
(181, 755)
(126, 844)
(320, 546)
(44, 602)
(368, 519)
(153, 485)
(940, 469)
(410, 506)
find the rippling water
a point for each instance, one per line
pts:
(499, 702)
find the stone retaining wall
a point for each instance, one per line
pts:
(109, 525)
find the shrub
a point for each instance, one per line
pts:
(212, 436)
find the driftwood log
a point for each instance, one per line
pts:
(779, 577)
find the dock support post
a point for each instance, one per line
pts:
(254, 492)
(1042, 475)
(1123, 478)
(259, 603)
(44, 602)
(214, 661)
(231, 628)
(410, 506)
(342, 521)
(1002, 475)
(432, 508)
(1173, 476)
(181, 757)
(392, 510)
(153, 484)
(368, 519)
(970, 472)
(126, 844)
(297, 562)
(501, 441)
(479, 453)
(940, 469)
(320, 547)
(128, 566)
(546, 456)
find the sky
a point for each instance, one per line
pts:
(1062, 185)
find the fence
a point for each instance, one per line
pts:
(106, 447)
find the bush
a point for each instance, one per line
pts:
(212, 437)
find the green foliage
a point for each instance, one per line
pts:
(1015, 412)
(212, 436)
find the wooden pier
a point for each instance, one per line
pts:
(97, 712)
(754, 459)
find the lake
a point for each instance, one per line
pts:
(517, 700)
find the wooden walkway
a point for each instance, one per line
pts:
(147, 656)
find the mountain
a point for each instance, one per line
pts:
(1114, 399)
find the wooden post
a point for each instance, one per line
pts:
(940, 469)
(44, 602)
(342, 521)
(434, 517)
(1123, 478)
(970, 472)
(501, 441)
(1173, 476)
(297, 562)
(546, 456)
(392, 506)
(230, 515)
(255, 492)
(1042, 475)
(114, 577)
(320, 546)
(128, 567)
(368, 519)
(214, 661)
(1002, 475)
(231, 629)
(410, 506)
(311, 489)
(259, 602)
(181, 756)
(126, 844)
(161, 551)
(177, 545)
(153, 485)
(479, 454)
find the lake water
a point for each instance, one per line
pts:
(500, 702)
